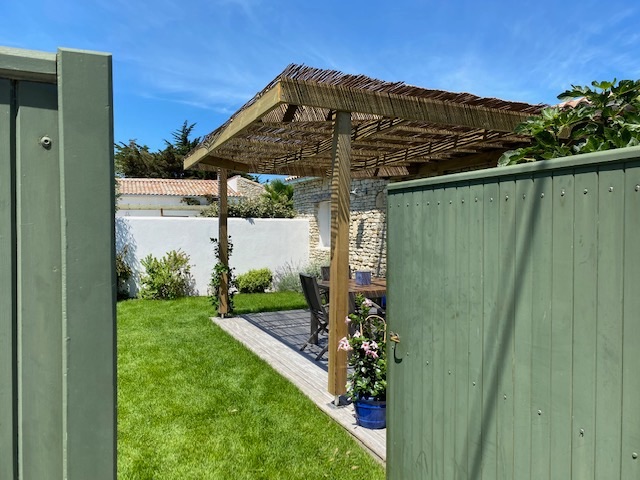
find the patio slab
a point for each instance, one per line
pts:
(276, 337)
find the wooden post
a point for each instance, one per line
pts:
(223, 238)
(339, 277)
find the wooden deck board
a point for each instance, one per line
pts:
(275, 337)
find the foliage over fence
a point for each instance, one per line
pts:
(592, 120)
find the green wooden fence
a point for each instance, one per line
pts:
(516, 295)
(57, 308)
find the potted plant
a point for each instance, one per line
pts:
(367, 381)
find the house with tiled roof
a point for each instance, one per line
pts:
(152, 197)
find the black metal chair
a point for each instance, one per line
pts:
(319, 314)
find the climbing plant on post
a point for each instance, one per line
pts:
(221, 270)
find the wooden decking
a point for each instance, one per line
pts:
(276, 338)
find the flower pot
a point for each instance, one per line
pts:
(371, 413)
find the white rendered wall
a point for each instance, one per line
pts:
(257, 243)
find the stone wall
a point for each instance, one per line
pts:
(367, 235)
(245, 187)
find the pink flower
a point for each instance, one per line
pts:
(343, 344)
(347, 320)
(374, 345)
(372, 353)
(367, 303)
(365, 346)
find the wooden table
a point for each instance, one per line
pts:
(375, 290)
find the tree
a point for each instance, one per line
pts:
(602, 118)
(278, 191)
(136, 161)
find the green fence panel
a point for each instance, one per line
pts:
(514, 292)
(8, 421)
(57, 282)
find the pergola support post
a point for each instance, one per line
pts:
(339, 276)
(223, 239)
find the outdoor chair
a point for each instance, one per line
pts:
(319, 314)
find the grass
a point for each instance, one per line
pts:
(195, 404)
(268, 302)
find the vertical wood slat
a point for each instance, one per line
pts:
(412, 395)
(541, 293)
(396, 312)
(462, 323)
(561, 410)
(630, 451)
(525, 203)
(450, 317)
(491, 343)
(585, 322)
(509, 293)
(339, 275)
(610, 281)
(88, 243)
(476, 282)
(8, 393)
(428, 234)
(439, 336)
(39, 273)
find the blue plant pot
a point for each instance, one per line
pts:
(371, 413)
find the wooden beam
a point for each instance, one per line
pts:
(243, 119)
(223, 239)
(429, 110)
(18, 64)
(339, 276)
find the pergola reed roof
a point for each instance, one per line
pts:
(398, 130)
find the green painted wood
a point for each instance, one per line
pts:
(450, 315)
(8, 393)
(427, 234)
(506, 312)
(491, 343)
(473, 455)
(610, 282)
(396, 312)
(88, 243)
(541, 251)
(561, 409)
(630, 440)
(461, 367)
(439, 325)
(532, 296)
(57, 306)
(525, 203)
(585, 322)
(415, 400)
(39, 277)
(19, 64)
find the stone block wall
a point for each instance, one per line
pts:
(367, 235)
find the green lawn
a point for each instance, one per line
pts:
(268, 302)
(195, 404)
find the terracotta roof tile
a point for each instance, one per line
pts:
(165, 186)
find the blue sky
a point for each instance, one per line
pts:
(200, 60)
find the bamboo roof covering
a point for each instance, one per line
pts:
(398, 130)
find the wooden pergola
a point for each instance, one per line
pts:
(323, 123)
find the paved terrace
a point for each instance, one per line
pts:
(276, 338)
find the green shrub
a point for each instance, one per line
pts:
(123, 272)
(255, 281)
(287, 277)
(259, 207)
(167, 278)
